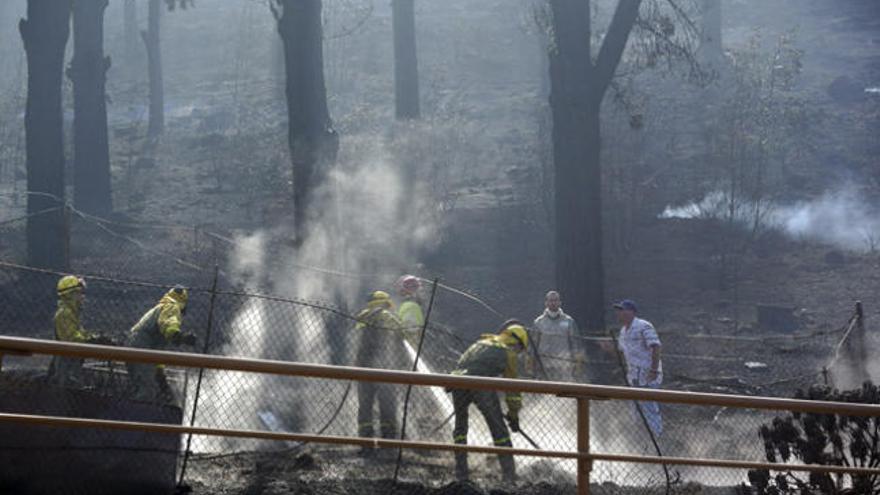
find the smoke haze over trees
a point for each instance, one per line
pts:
(712, 159)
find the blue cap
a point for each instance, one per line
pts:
(628, 304)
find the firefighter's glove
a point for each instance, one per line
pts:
(513, 421)
(188, 339)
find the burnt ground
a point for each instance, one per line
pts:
(344, 472)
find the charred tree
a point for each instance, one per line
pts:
(578, 85)
(311, 138)
(45, 33)
(156, 122)
(406, 70)
(88, 71)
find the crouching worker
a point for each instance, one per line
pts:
(67, 371)
(158, 328)
(380, 345)
(491, 355)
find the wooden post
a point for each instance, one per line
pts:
(583, 445)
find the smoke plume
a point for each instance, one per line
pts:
(843, 218)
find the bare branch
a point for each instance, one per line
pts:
(610, 53)
(364, 14)
(683, 15)
(273, 6)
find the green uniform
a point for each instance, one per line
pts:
(157, 328)
(68, 370)
(410, 315)
(380, 346)
(489, 356)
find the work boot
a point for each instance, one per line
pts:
(508, 469)
(462, 473)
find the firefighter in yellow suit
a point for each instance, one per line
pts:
(158, 328)
(410, 310)
(491, 355)
(67, 371)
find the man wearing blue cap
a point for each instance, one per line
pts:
(640, 345)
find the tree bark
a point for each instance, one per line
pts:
(151, 37)
(45, 33)
(88, 71)
(577, 88)
(406, 71)
(311, 138)
(578, 236)
(711, 49)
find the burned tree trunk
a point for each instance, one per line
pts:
(156, 123)
(88, 71)
(578, 86)
(311, 137)
(406, 71)
(45, 33)
(577, 179)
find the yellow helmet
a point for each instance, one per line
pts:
(178, 294)
(69, 284)
(379, 298)
(518, 333)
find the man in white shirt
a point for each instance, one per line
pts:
(640, 345)
(556, 342)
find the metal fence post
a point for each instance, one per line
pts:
(415, 367)
(205, 349)
(583, 446)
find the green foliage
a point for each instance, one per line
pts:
(824, 439)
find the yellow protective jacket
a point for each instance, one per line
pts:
(492, 356)
(381, 339)
(412, 319)
(67, 325)
(160, 325)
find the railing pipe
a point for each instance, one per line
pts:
(18, 345)
(56, 421)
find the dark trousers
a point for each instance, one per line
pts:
(489, 405)
(368, 395)
(149, 383)
(66, 371)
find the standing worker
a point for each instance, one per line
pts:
(640, 345)
(380, 346)
(157, 328)
(410, 311)
(67, 371)
(491, 355)
(556, 343)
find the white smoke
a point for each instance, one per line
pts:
(366, 225)
(843, 218)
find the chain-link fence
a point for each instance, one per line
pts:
(234, 323)
(231, 321)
